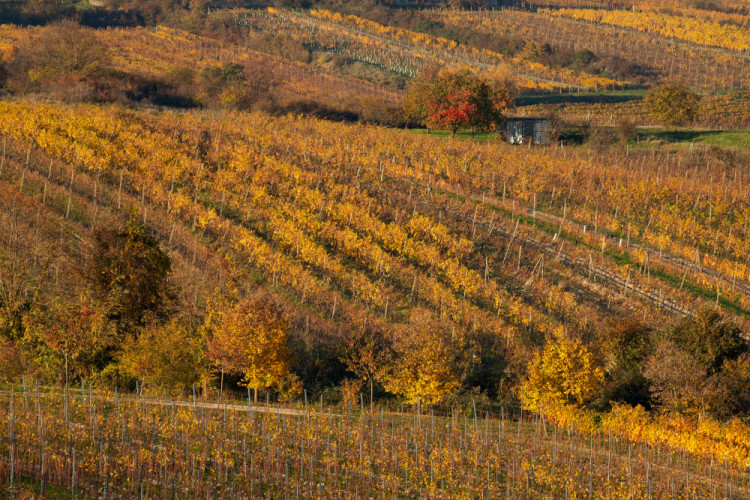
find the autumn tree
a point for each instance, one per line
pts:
(237, 86)
(625, 346)
(679, 381)
(457, 100)
(170, 355)
(67, 338)
(424, 366)
(566, 371)
(485, 361)
(365, 354)
(712, 338)
(221, 347)
(67, 49)
(686, 367)
(673, 104)
(251, 340)
(130, 276)
(733, 396)
(42, 10)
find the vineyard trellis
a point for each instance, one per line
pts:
(110, 444)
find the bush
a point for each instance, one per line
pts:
(673, 104)
(626, 130)
(67, 49)
(164, 356)
(601, 137)
(237, 86)
(700, 364)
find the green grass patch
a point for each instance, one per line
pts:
(603, 96)
(463, 134)
(725, 138)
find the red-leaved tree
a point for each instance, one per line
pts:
(458, 100)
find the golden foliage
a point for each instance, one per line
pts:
(564, 372)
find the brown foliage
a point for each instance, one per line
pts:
(68, 49)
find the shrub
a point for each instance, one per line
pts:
(673, 104)
(67, 49)
(564, 372)
(626, 130)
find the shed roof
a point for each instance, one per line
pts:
(529, 117)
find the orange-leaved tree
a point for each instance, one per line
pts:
(365, 354)
(251, 340)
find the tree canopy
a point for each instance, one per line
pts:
(129, 275)
(424, 367)
(673, 104)
(457, 100)
(251, 340)
(566, 371)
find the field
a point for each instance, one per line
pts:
(716, 112)
(695, 63)
(405, 51)
(401, 254)
(88, 444)
(161, 51)
(738, 139)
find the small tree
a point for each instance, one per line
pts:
(710, 338)
(679, 381)
(65, 337)
(564, 372)
(168, 355)
(424, 367)
(673, 104)
(365, 355)
(67, 49)
(252, 341)
(686, 368)
(457, 100)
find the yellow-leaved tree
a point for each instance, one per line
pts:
(169, 355)
(566, 372)
(423, 367)
(251, 340)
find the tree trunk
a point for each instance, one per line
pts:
(371, 392)
(255, 394)
(221, 385)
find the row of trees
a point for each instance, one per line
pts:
(447, 99)
(700, 365)
(125, 325)
(127, 322)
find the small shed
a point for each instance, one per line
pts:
(529, 130)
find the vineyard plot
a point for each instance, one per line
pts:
(101, 445)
